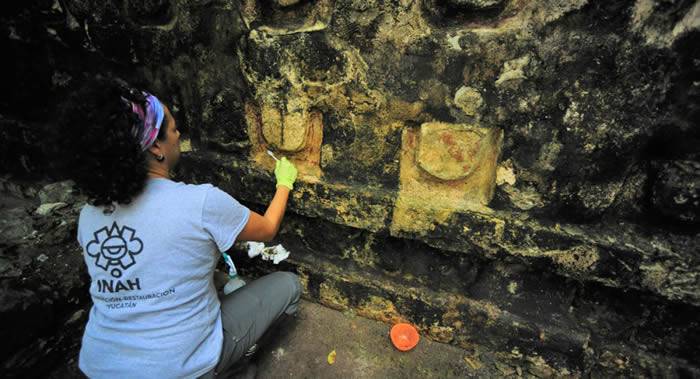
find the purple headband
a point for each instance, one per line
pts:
(151, 118)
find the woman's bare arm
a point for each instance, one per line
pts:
(264, 228)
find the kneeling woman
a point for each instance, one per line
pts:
(151, 245)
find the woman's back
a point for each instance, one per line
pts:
(155, 309)
(151, 259)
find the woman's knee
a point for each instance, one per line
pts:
(290, 282)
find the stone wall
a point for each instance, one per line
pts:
(518, 176)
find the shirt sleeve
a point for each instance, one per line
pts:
(223, 217)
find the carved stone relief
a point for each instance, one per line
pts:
(445, 168)
(296, 135)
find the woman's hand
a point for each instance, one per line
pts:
(286, 173)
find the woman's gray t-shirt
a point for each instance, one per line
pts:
(155, 310)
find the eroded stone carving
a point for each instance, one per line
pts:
(284, 113)
(285, 132)
(298, 78)
(445, 168)
(449, 151)
(296, 135)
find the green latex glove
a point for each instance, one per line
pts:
(286, 173)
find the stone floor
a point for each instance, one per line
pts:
(363, 350)
(300, 349)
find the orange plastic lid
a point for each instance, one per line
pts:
(404, 336)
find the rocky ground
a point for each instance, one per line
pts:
(43, 285)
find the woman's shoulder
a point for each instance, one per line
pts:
(183, 190)
(180, 186)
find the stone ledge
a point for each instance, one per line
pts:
(548, 349)
(627, 257)
(441, 316)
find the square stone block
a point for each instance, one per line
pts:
(445, 168)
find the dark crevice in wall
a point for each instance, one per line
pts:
(155, 12)
(446, 13)
(290, 16)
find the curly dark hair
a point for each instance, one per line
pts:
(96, 146)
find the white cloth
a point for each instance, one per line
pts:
(276, 254)
(255, 248)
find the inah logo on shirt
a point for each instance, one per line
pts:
(114, 247)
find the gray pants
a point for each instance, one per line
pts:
(249, 311)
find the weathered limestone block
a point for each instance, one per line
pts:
(445, 168)
(469, 100)
(662, 26)
(355, 206)
(513, 73)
